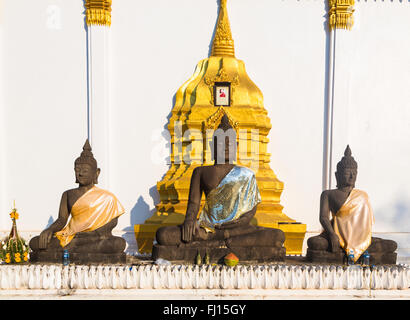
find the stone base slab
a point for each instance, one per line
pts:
(78, 258)
(316, 256)
(189, 253)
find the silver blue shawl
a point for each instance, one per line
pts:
(235, 195)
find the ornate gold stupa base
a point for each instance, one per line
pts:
(196, 112)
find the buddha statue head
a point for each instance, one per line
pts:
(224, 142)
(346, 172)
(85, 167)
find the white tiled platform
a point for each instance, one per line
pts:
(150, 281)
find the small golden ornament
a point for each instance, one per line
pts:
(207, 259)
(198, 259)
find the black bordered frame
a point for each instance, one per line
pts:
(216, 97)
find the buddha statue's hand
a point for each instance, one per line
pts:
(188, 230)
(45, 238)
(334, 242)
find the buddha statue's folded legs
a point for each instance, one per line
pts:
(249, 243)
(382, 251)
(260, 237)
(99, 241)
(92, 241)
(246, 236)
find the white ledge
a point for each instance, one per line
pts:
(188, 277)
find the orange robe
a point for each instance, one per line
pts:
(353, 223)
(91, 211)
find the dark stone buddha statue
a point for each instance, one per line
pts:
(224, 224)
(93, 214)
(350, 230)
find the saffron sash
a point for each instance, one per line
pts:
(91, 211)
(353, 223)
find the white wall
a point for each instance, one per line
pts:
(154, 49)
(43, 105)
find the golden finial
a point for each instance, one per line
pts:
(223, 44)
(98, 12)
(341, 14)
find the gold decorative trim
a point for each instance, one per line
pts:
(98, 12)
(222, 76)
(341, 14)
(223, 44)
(215, 119)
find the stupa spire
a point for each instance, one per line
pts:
(223, 44)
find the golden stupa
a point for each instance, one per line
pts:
(196, 110)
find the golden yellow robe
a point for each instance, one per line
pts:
(91, 211)
(353, 223)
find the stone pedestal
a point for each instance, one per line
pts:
(381, 252)
(86, 248)
(82, 258)
(188, 253)
(377, 258)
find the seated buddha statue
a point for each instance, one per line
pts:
(350, 230)
(93, 214)
(223, 225)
